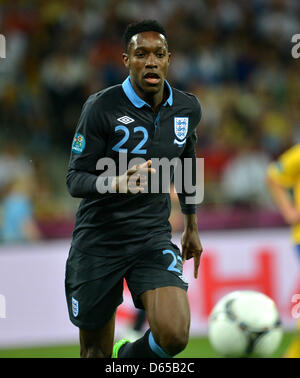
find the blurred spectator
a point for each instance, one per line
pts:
(18, 223)
(12, 164)
(243, 181)
(63, 77)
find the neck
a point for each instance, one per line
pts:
(153, 99)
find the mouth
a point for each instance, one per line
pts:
(152, 78)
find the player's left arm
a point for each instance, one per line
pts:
(190, 240)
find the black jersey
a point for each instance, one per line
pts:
(115, 121)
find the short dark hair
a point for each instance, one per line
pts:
(140, 27)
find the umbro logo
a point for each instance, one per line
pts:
(125, 120)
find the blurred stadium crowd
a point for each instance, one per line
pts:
(234, 55)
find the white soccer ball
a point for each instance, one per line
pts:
(245, 324)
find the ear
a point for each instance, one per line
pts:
(169, 57)
(125, 60)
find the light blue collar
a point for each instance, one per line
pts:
(136, 100)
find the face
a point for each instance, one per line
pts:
(148, 61)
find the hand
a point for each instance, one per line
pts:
(191, 247)
(134, 180)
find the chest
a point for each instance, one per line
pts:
(148, 135)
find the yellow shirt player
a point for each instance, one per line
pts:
(284, 184)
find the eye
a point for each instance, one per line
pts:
(140, 55)
(160, 55)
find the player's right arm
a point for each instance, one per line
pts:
(87, 147)
(281, 179)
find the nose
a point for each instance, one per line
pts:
(151, 61)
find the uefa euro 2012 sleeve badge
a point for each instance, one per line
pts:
(78, 144)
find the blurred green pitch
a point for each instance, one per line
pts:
(197, 348)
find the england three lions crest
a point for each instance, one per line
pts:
(181, 126)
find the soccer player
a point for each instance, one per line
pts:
(119, 234)
(284, 184)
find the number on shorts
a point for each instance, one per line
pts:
(171, 267)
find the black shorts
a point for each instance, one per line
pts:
(94, 284)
